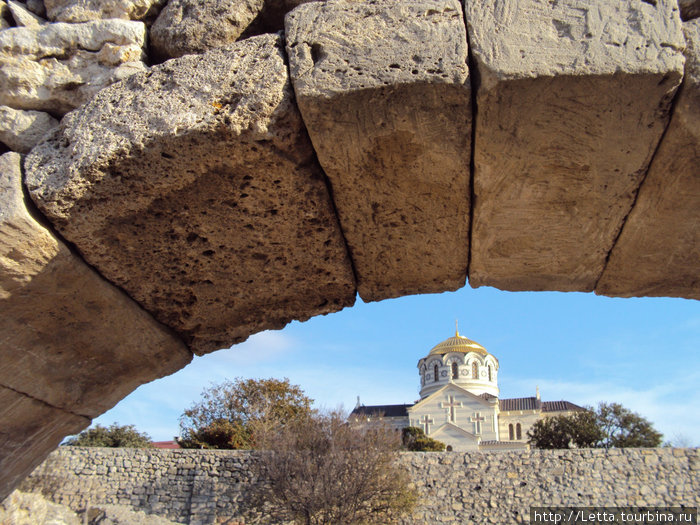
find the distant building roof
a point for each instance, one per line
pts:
(532, 403)
(165, 444)
(381, 410)
(560, 406)
(520, 403)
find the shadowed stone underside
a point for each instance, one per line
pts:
(194, 187)
(658, 252)
(384, 91)
(572, 103)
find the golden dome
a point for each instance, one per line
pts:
(458, 343)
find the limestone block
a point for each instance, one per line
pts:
(83, 10)
(22, 508)
(573, 99)
(689, 9)
(70, 339)
(658, 251)
(29, 431)
(60, 66)
(194, 187)
(384, 91)
(192, 26)
(24, 17)
(22, 130)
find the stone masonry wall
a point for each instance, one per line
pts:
(202, 487)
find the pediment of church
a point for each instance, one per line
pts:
(455, 409)
(462, 394)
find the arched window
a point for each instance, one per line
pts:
(449, 448)
(435, 370)
(490, 373)
(475, 370)
(518, 431)
(511, 436)
(455, 372)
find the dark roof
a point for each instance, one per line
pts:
(559, 406)
(520, 403)
(532, 403)
(381, 410)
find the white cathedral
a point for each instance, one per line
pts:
(459, 402)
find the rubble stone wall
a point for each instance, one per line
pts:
(204, 486)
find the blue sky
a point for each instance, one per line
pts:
(643, 353)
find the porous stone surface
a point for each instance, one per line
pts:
(22, 130)
(21, 508)
(24, 17)
(572, 102)
(214, 486)
(690, 9)
(195, 188)
(58, 67)
(29, 431)
(383, 88)
(60, 344)
(32, 509)
(190, 26)
(83, 10)
(658, 251)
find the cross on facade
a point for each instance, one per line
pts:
(426, 422)
(477, 418)
(452, 405)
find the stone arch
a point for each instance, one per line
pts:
(192, 156)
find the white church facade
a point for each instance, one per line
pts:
(459, 402)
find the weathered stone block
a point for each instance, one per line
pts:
(58, 67)
(29, 431)
(572, 101)
(83, 10)
(384, 91)
(22, 130)
(70, 339)
(195, 188)
(191, 26)
(23, 17)
(658, 251)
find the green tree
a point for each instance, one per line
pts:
(415, 440)
(579, 430)
(623, 428)
(610, 425)
(239, 414)
(323, 470)
(114, 436)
